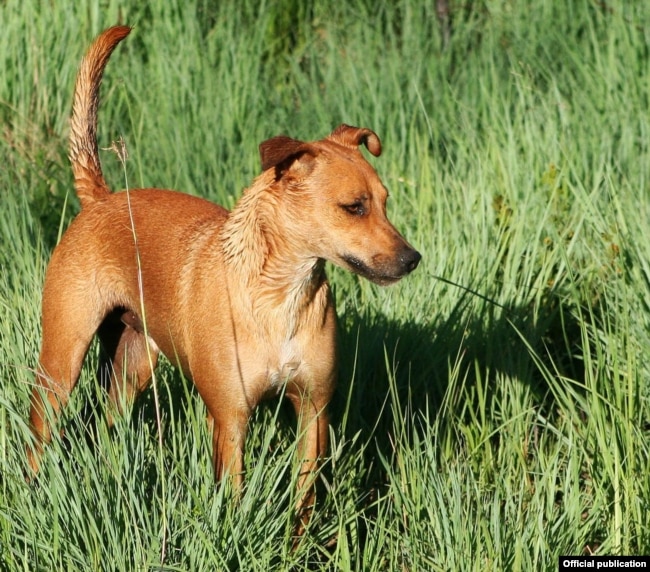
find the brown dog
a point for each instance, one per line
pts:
(238, 299)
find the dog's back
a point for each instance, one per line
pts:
(154, 238)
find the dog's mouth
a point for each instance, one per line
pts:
(403, 266)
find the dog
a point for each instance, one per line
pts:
(238, 300)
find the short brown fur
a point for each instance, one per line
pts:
(239, 300)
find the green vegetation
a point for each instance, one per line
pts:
(493, 408)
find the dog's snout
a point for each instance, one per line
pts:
(411, 259)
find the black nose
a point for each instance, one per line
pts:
(411, 259)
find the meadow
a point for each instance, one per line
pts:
(492, 411)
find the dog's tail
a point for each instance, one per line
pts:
(89, 181)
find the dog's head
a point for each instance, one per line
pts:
(338, 202)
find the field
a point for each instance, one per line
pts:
(493, 409)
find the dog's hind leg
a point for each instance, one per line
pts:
(69, 324)
(128, 358)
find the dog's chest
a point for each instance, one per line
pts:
(284, 365)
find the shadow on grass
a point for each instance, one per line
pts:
(517, 342)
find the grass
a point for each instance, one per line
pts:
(492, 411)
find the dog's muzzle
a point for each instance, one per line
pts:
(386, 271)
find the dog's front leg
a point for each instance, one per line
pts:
(228, 437)
(313, 427)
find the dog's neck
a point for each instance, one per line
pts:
(279, 277)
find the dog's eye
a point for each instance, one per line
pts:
(356, 208)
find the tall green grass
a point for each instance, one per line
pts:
(492, 411)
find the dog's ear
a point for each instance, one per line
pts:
(281, 151)
(354, 136)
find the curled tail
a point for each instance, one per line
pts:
(89, 181)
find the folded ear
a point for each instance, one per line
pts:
(355, 136)
(280, 150)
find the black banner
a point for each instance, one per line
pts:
(604, 563)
